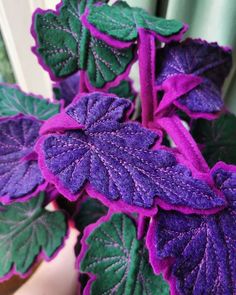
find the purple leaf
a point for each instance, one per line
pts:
(189, 57)
(203, 247)
(20, 176)
(115, 158)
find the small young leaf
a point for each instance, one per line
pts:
(124, 90)
(115, 158)
(120, 261)
(203, 247)
(189, 58)
(122, 22)
(14, 101)
(217, 139)
(88, 212)
(26, 230)
(66, 46)
(20, 176)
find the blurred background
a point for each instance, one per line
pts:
(213, 20)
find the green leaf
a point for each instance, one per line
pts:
(26, 229)
(124, 90)
(120, 261)
(89, 212)
(66, 46)
(122, 22)
(217, 139)
(13, 101)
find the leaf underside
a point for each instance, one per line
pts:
(217, 139)
(13, 101)
(120, 261)
(189, 57)
(122, 22)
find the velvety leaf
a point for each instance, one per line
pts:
(114, 157)
(120, 261)
(67, 89)
(14, 101)
(203, 246)
(20, 176)
(27, 230)
(88, 212)
(217, 139)
(189, 57)
(122, 22)
(66, 46)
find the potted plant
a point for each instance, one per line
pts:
(148, 177)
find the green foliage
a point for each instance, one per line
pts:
(120, 261)
(13, 101)
(122, 22)
(66, 46)
(89, 212)
(26, 229)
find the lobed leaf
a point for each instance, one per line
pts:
(189, 58)
(27, 230)
(115, 158)
(119, 260)
(203, 247)
(66, 46)
(20, 176)
(14, 101)
(122, 22)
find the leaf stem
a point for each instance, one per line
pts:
(146, 53)
(184, 141)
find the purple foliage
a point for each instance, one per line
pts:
(189, 57)
(114, 157)
(203, 246)
(20, 175)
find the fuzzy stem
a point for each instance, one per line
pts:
(82, 84)
(146, 53)
(184, 141)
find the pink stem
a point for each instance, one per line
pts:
(82, 84)
(184, 141)
(146, 53)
